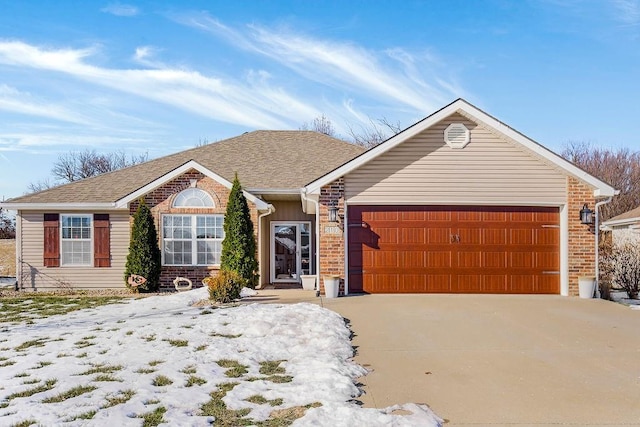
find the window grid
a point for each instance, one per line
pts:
(192, 239)
(193, 198)
(75, 239)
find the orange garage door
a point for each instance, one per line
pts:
(458, 249)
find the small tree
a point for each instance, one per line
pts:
(239, 245)
(144, 255)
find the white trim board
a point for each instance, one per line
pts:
(191, 164)
(602, 189)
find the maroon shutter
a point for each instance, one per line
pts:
(101, 241)
(52, 240)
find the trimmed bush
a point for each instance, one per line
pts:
(225, 287)
(239, 245)
(144, 255)
(623, 266)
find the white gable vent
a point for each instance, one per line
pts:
(456, 135)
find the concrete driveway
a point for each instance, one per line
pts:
(499, 359)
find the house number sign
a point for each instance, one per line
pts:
(332, 229)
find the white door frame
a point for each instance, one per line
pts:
(272, 243)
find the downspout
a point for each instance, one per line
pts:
(598, 204)
(270, 210)
(303, 193)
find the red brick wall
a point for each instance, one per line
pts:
(331, 245)
(581, 237)
(160, 201)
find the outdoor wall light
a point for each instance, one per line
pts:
(333, 213)
(586, 215)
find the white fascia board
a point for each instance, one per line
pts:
(602, 189)
(295, 191)
(59, 206)
(191, 164)
(626, 221)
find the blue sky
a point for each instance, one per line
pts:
(159, 77)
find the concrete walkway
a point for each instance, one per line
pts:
(495, 359)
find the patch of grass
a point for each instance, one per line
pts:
(186, 326)
(38, 342)
(150, 338)
(84, 416)
(257, 399)
(102, 369)
(69, 394)
(205, 311)
(201, 347)
(21, 375)
(191, 369)
(48, 385)
(154, 418)
(60, 355)
(272, 367)
(82, 355)
(107, 378)
(129, 333)
(193, 380)
(161, 380)
(31, 381)
(235, 369)
(42, 364)
(145, 371)
(286, 417)
(150, 402)
(7, 363)
(277, 379)
(215, 334)
(178, 343)
(123, 397)
(83, 343)
(27, 307)
(25, 423)
(218, 409)
(155, 362)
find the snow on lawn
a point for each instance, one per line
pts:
(159, 356)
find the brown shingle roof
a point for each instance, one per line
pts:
(262, 159)
(632, 214)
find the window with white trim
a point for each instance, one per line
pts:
(192, 239)
(193, 198)
(75, 240)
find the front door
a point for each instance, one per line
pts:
(290, 251)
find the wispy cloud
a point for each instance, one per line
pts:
(396, 75)
(627, 11)
(239, 102)
(15, 101)
(120, 9)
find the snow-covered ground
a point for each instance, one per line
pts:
(110, 356)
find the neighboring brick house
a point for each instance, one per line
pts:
(624, 227)
(458, 202)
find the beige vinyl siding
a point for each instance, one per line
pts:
(489, 170)
(285, 211)
(34, 276)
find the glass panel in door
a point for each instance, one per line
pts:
(305, 249)
(286, 252)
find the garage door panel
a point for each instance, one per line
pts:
(497, 260)
(469, 259)
(469, 236)
(413, 235)
(438, 283)
(438, 236)
(547, 236)
(454, 249)
(439, 259)
(521, 236)
(494, 236)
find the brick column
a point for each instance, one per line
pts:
(582, 238)
(331, 245)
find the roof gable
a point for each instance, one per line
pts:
(462, 107)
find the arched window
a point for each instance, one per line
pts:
(193, 198)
